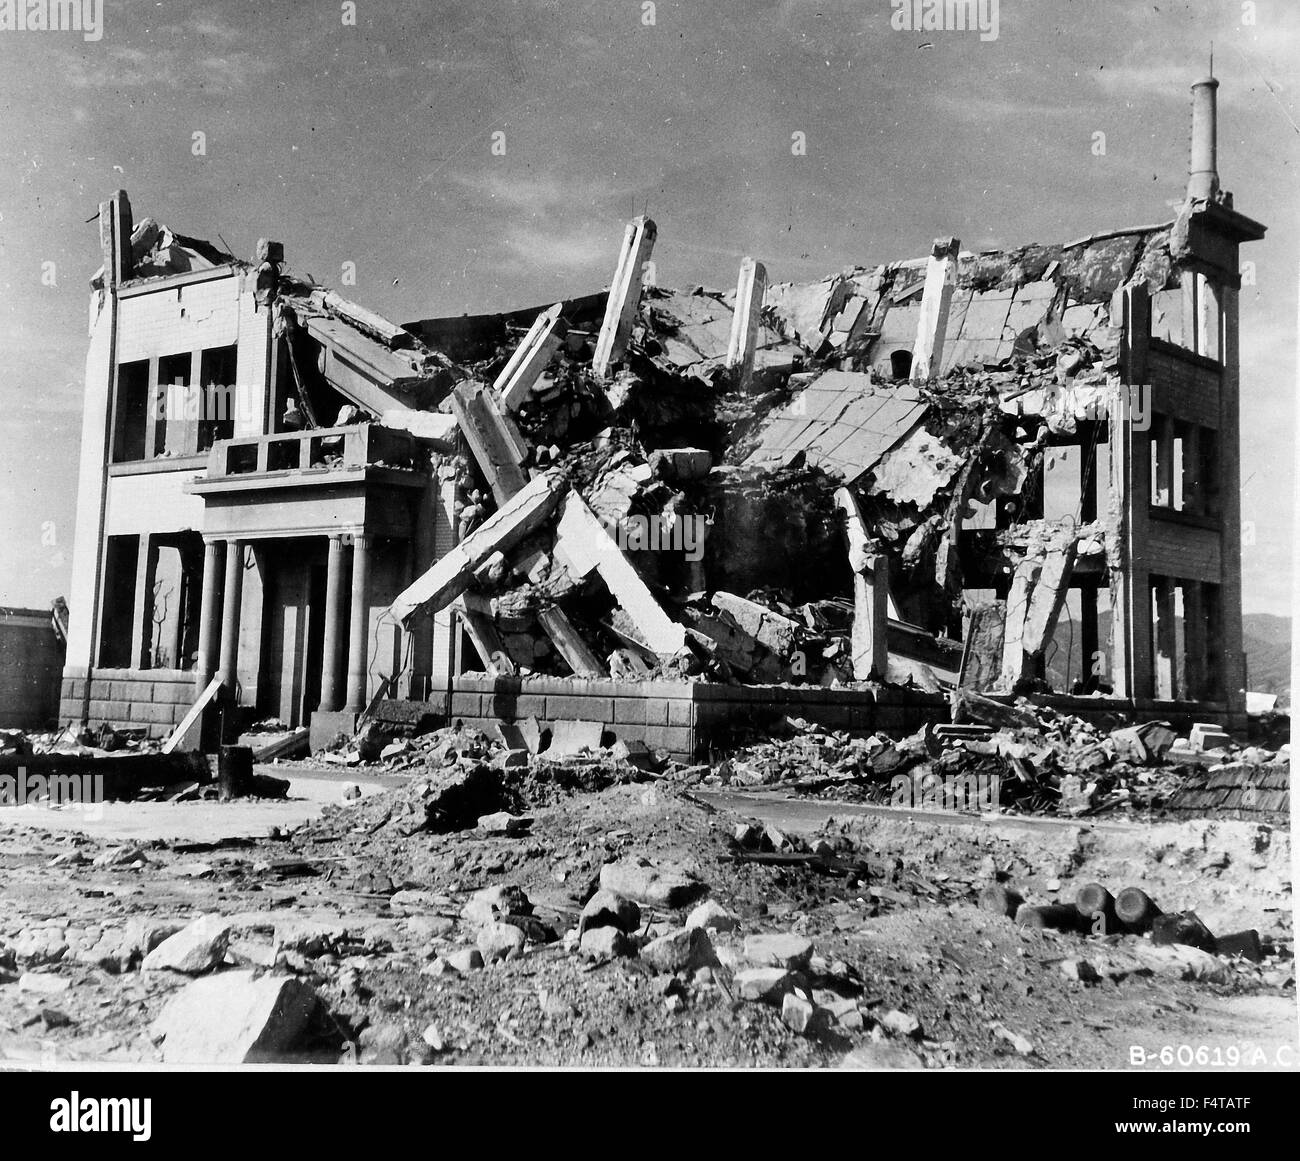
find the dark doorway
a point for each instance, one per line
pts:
(315, 640)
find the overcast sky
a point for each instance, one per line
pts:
(373, 144)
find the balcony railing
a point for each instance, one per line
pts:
(323, 450)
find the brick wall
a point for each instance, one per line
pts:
(155, 699)
(687, 718)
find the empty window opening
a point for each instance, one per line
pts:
(131, 412)
(175, 429)
(219, 402)
(121, 556)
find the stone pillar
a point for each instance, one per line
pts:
(234, 596)
(331, 694)
(359, 625)
(209, 633)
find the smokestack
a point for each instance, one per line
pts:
(1203, 180)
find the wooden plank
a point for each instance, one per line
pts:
(195, 711)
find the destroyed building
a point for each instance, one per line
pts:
(668, 512)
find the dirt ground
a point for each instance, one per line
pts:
(912, 972)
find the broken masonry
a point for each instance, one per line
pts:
(995, 473)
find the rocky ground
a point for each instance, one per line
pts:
(634, 921)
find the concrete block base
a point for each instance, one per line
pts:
(325, 728)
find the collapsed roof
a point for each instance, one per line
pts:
(643, 484)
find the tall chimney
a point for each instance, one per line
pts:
(1203, 182)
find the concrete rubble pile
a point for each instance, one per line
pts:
(751, 486)
(1032, 759)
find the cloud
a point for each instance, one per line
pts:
(120, 67)
(562, 252)
(536, 194)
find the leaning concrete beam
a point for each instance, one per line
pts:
(584, 546)
(1048, 597)
(531, 358)
(476, 615)
(750, 290)
(493, 439)
(569, 643)
(870, 567)
(936, 299)
(450, 576)
(1023, 581)
(624, 294)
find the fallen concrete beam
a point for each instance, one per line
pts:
(583, 546)
(390, 334)
(776, 633)
(745, 320)
(569, 643)
(531, 358)
(493, 439)
(475, 613)
(1048, 597)
(1013, 653)
(936, 301)
(870, 567)
(450, 576)
(624, 295)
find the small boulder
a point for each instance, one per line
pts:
(465, 960)
(500, 941)
(767, 985)
(683, 950)
(651, 886)
(600, 943)
(489, 904)
(711, 916)
(788, 951)
(901, 1023)
(801, 1016)
(610, 909)
(235, 1018)
(194, 949)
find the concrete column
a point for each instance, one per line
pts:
(1194, 637)
(234, 596)
(331, 694)
(1130, 485)
(745, 320)
(359, 625)
(209, 629)
(624, 295)
(936, 301)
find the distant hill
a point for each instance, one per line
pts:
(1265, 637)
(1267, 641)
